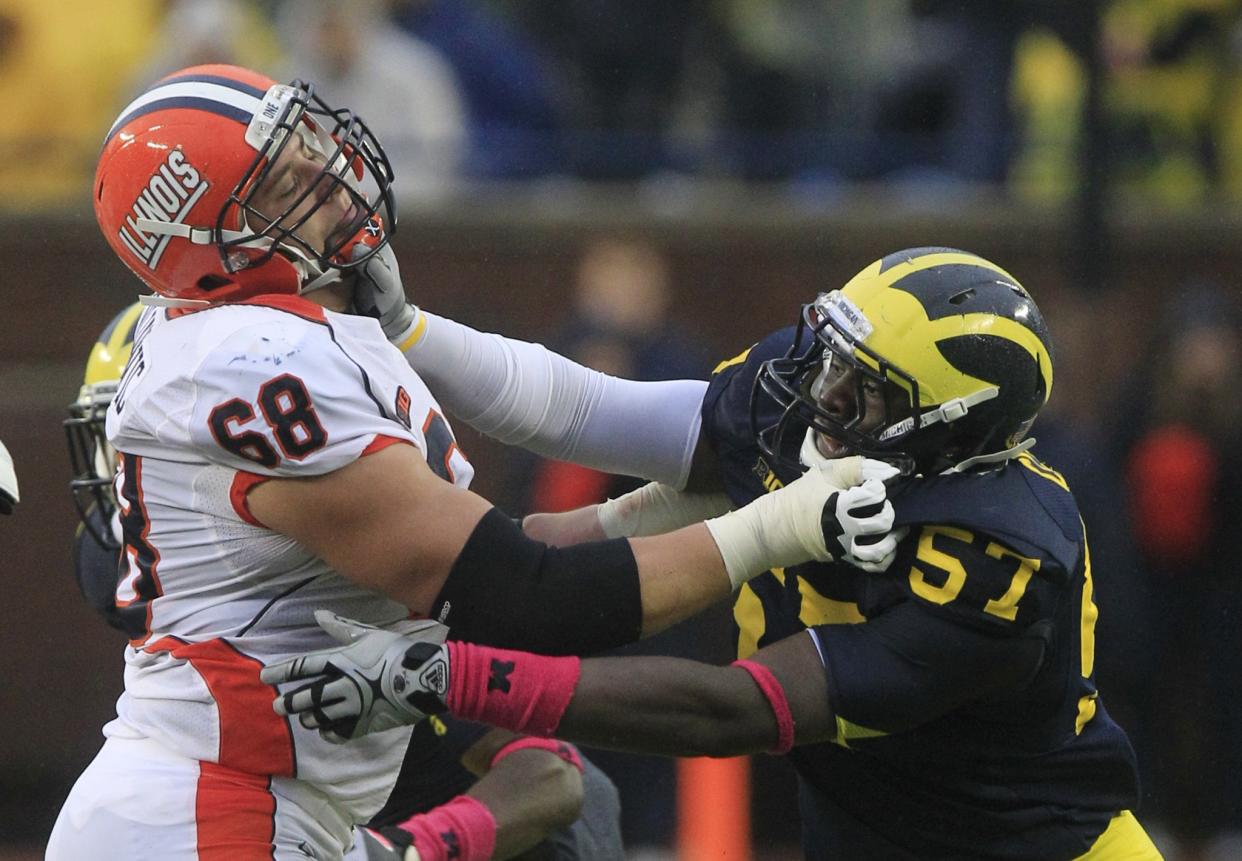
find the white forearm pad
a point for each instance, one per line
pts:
(524, 394)
(655, 508)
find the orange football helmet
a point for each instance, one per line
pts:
(179, 169)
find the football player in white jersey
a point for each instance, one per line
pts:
(277, 456)
(445, 759)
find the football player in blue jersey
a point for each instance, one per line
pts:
(939, 704)
(533, 784)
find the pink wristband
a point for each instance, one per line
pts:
(513, 690)
(461, 829)
(564, 750)
(775, 695)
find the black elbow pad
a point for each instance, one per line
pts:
(510, 591)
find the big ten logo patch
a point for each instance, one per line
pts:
(766, 476)
(169, 195)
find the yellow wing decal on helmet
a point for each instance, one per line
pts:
(890, 276)
(1003, 327)
(905, 336)
(111, 352)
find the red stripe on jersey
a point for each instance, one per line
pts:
(235, 815)
(381, 442)
(253, 738)
(304, 308)
(242, 483)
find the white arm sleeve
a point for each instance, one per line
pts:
(524, 394)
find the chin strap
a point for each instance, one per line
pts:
(950, 411)
(155, 300)
(325, 278)
(992, 457)
(197, 235)
(313, 276)
(370, 235)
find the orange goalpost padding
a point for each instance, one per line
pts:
(713, 809)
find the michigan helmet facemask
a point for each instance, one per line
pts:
(930, 358)
(91, 458)
(184, 164)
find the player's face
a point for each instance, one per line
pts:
(333, 213)
(837, 391)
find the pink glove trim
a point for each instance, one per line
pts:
(775, 694)
(563, 749)
(517, 691)
(461, 829)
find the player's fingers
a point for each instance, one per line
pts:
(874, 547)
(878, 469)
(302, 700)
(295, 669)
(294, 702)
(338, 704)
(274, 674)
(870, 491)
(876, 558)
(342, 629)
(317, 717)
(877, 524)
(871, 553)
(842, 471)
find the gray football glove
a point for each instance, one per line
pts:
(380, 293)
(381, 678)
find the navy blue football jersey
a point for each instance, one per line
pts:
(962, 679)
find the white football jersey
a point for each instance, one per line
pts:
(211, 403)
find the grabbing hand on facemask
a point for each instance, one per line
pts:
(379, 293)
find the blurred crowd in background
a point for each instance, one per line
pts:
(925, 93)
(924, 96)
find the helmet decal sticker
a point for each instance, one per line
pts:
(264, 125)
(847, 315)
(169, 195)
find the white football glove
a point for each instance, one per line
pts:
(380, 293)
(813, 517)
(857, 524)
(381, 678)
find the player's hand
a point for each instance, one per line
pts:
(858, 524)
(380, 293)
(371, 845)
(856, 519)
(379, 679)
(825, 514)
